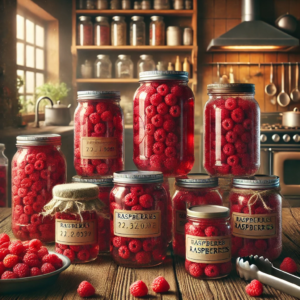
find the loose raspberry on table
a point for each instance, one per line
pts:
(124, 252)
(254, 288)
(160, 285)
(47, 268)
(231, 103)
(211, 231)
(156, 99)
(212, 271)
(163, 89)
(138, 289)
(10, 260)
(22, 270)
(83, 255)
(4, 238)
(3, 253)
(195, 270)
(227, 124)
(146, 201)
(288, 265)
(16, 248)
(9, 275)
(85, 289)
(35, 271)
(131, 199)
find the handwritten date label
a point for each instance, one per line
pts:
(98, 147)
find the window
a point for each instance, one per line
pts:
(31, 66)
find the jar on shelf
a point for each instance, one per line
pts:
(102, 66)
(256, 216)
(115, 4)
(188, 4)
(99, 134)
(146, 63)
(157, 31)
(126, 4)
(174, 36)
(146, 4)
(163, 123)
(81, 4)
(161, 4)
(85, 31)
(118, 31)
(191, 190)
(137, 5)
(37, 167)
(187, 36)
(3, 177)
(138, 207)
(137, 31)
(231, 130)
(90, 4)
(102, 4)
(124, 67)
(208, 242)
(178, 4)
(86, 69)
(101, 31)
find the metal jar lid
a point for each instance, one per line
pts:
(138, 177)
(124, 56)
(208, 212)
(101, 19)
(197, 180)
(137, 18)
(39, 140)
(164, 75)
(103, 181)
(118, 18)
(97, 95)
(101, 56)
(146, 56)
(234, 88)
(156, 18)
(256, 182)
(84, 18)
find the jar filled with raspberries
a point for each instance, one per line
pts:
(231, 130)
(3, 177)
(37, 167)
(76, 207)
(208, 242)
(191, 190)
(138, 207)
(256, 214)
(99, 130)
(105, 185)
(163, 123)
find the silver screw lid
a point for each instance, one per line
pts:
(164, 75)
(256, 182)
(38, 140)
(137, 18)
(118, 18)
(138, 177)
(103, 181)
(234, 88)
(97, 95)
(157, 18)
(196, 180)
(101, 19)
(84, 18)
(208, 212)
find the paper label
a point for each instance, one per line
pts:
(98, 147)
(180, 221)
(208, 250)
(253, 226)
(75, 232)
(137, 224)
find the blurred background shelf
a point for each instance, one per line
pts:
(134, 12)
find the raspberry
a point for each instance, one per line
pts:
(175, 111)
(160, 135)
(143, 257)
(89, 110)
(41, 156)
(100, 128)
(16, 248)
(156, 99)
(177, 90)
(35, 176)
(233, 160)
(138, 289)
(159, 148)
(32, 260)
(169, 125)
(254, 288)
(240, 147)
(170, 163)
(157, 120)
(35, 245)
(170, 152)
(150, 111)
(150, 129)
(247, 124)
(261, 245)
(171, 139)
(227, 124)
(162, 108)
(39, 165)
(118, 241)
(37, 186)
(35, 271)
(4, 238)
(246, 137)
(47, 268)
(231, 104)
(237, 170)
(28, 210)
(137, 207)
(261, 211)
(239, 129)
(211, 231)
(102, 169)
(148, 245)
(94, 118)
(83, 255)
(107, 116)
(131, 199)
(231, 137)
(160, 285)
(237, 115)
(10, 260)
(58, 250)
(135, 245)
(42, 252)
(75, 248)
(146, 201)
(163, 89)
(101, 107)
(229, 149)
(236, 208)
(2, 269)
(3, 253)
(22, 192)
(85, 289)
(124, 252)
(22, 270)
(193, 230)
(195, 270)
(26, 183)
(288, 265)
(31, 158)
(69, 253)
(212, 271)
(171, 99)
(9, 275)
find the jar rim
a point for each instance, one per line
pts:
(157, 18)
(101, 18)
(118, 18)
(134, 177)
(164, 75)
(137, 18)
(235, 88)
(84, 18)
(196, 180)
(38, 140)
(257, 181)
(103, 181)
(98, 95)
(208, 212)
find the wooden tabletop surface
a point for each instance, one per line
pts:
(112, 282)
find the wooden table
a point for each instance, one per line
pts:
(112, 282)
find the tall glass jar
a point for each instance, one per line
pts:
(137, 31)
(103, 66)
(193, 189)
(37, 167)
(85, 31)
(124, 67)
(101, 31)
(99, 134)
(231, 130)
(256, 216)
(157, 31)
(3, 177)
(163, 128)
(138, 207)
(146, 63)
(126, 4)
(118, 31)
(208, 242)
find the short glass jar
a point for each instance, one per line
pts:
(193, 189)
(208, 242)
(146, 63)
(256, 216)
(137, 31)
(101, 31)
(146, 4)
(118, 31)
(102, 66)
(187, 36)
(126, 4)
(37, 167)
(90, 4)
(102, 4)
(231, 130)
(161, 4)
(3, 177)
(115, 4)
(178, 4)
(99, 134)
(157, 31)
(124, 67)
(188, 4)
(86, 69)
(85, 31)
(163, 128)
(138, 207)
(174, 36)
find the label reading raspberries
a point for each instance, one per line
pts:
(254, 226)
(98, 147)
(180, 221)
(75, 233)
(208, 250)
(137, 224)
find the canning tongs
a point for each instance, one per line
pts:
(254, 267)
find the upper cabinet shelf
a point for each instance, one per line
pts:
(137, 48)
(133, 12)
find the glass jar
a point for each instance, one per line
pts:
(3, 177)
(208, 242)
(90, 4)
(81, 4)
(84, 31)
(102, 4)
(115, 4)
(256, 217)
(178, 4)
(103, 66)
(118, 31)
(191, 190)
(124, 67)
(99, 134)
(137, 5)
(163, 128)
(86, 69)
(101, 31)
(137, 31)
(138, 207)
(37, 167)
(157, 31)
(161, 4)
(188, 4)
(174, 36)
(146, 63)
(231, 130)
(187, 36)
(126, 4)
(145, 4)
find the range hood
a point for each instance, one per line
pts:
(253, 34)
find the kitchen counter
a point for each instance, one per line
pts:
(112, 282)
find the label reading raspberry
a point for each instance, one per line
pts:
(180, 221)
(253, 226)
(137, 224)
(98, 147)
(208, 250)
(75, 232)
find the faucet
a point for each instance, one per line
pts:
(36, 123)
